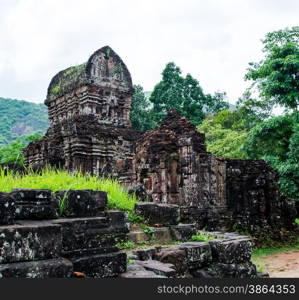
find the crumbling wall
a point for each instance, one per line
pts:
(254, 199)
(174, 167)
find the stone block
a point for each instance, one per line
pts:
(183, 232)
(198, 254)
(51, 268)
(118, 220)
(221, 270)
(158, 267)
(137, 236)
(137, 271)
(174, 256)
(157, 214)
(161, 235)
(86, 236)
(33, 204)
(101, 265)
(236, 250)
(7, 209)
(29, 241)
(146, 254)
(82, 203)
(194, 214)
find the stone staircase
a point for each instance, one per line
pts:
(36, 243)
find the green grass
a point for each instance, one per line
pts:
(268, 251)
(258, 255)
(56, 180)
(201, 238)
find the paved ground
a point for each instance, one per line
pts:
(283, 265)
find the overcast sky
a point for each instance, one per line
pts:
(213, 40)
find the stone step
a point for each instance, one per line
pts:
(158, 214)
(34, 204)
(82, 203)
(7, 209)
(30, 241)
(198, 254)
(157, 267)
(86, 236)
(101, 265)
(159, 234)
(137, 271)
(51, 268)
(183, 232)
(137, 236)
(234, 250)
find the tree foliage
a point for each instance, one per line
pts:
(277, 75)
(227, 131)
(184, 94)
(13, 154)
(277, 141)
(221, 139)
(141, 112)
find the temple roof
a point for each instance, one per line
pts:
(104, 68)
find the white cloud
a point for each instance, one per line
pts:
(213, 40)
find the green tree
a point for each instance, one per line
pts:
(277, 75)
(250, 111)
(227, 131)
(183, 94)
(221, 140)
(277, 141)
(270, 138)
(215, 103)
(13, 153)
(141, 114)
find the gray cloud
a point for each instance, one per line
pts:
(213, 40)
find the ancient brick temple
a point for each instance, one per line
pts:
(89, 109)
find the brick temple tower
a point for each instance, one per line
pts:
(89, 112)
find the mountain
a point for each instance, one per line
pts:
(18, 118)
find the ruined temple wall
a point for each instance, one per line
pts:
(173, 165)
(110, 106)
(80, 143)
(253, 196)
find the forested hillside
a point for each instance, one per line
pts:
(19, 118)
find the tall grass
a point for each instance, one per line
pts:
(56, 180)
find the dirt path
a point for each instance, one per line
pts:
(284, 264)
